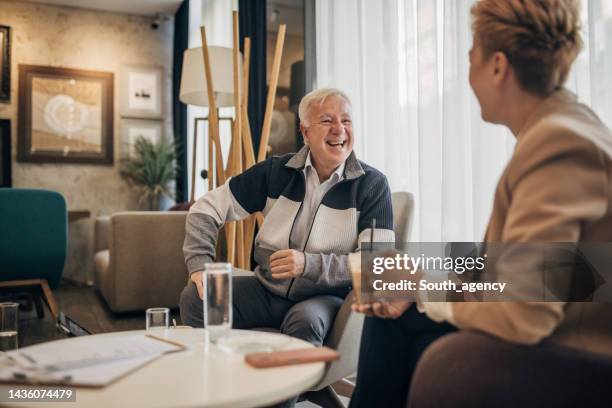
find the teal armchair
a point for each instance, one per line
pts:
(33, 241)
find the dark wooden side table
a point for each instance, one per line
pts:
(74, 215)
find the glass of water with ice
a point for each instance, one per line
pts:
(217, 281)
(8, 325)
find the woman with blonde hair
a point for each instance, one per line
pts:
(557, 187)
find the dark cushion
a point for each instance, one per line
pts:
(467, 369)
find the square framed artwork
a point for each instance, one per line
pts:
(132, 129)
(5, 63)
(65, 115)
(5, 153)
(141, 92)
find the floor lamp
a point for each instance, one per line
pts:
(194, 91)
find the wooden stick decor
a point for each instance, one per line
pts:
(235, 242)
(237, 101)
(213, 128)
(213, 117)
(265, 130)
(247, 140)
(239, 235)
(249, 153)
(211, 184)
(193, 161)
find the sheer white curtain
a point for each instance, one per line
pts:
(404, 63)
(216, 16)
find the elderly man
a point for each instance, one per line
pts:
(318, 204)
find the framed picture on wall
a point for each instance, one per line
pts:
(5, 153)
(65, 115)
(5, 63)
(141, 92)
(132, 129)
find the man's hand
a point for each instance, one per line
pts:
(287, 263)
(196, 278)
(384, 310)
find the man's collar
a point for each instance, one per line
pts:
(338, 172)
(352, 167)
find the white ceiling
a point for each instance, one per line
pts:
(290, 12)
(142, 7)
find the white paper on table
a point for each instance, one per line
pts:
(93, 361)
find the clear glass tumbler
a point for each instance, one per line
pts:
(158, 318)
(9, 312)
(217, 303)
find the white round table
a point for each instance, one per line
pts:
(202, 376)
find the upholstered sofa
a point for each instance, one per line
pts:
(468, 369)
(139, 259)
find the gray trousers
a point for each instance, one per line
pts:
(256, 307)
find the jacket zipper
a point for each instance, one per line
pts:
(311, 224)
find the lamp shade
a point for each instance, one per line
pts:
(193, 79)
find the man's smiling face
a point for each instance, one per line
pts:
(329, 133)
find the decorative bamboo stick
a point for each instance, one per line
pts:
(229, 166)
(246, 65)
(237, 112)
(235, 246)
(230, 227)
(240, 244)
(249, 160)
(213, 117)
(265, 130)
(247, 140)
(210, 164)
(213, 126)
(218, 161)
(249, 153)
(193, 159)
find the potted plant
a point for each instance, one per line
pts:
(150, 170)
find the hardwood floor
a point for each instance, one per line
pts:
(84, 305)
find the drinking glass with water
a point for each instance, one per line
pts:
(157, 318)
(8, 325)
(217, 305)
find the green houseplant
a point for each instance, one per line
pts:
(150, 170)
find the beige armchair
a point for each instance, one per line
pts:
(139, 259)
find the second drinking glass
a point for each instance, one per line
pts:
(217, 305)
(9, 312)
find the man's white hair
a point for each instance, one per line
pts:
(317, 97)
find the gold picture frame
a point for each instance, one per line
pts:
(65, 115)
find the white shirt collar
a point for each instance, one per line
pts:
(337, 174)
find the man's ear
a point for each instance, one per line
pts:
(304, 131)
(501, 67)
